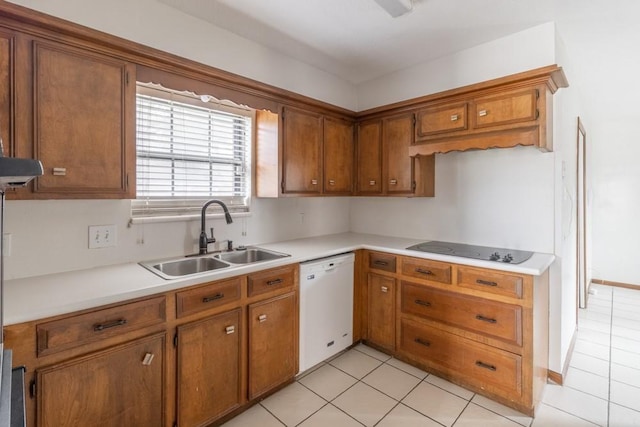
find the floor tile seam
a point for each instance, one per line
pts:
(624, 406)
(385, 415)
(625, 383)
(578, 416)
(390, 397)
(591, 394)
(443, 389)
(568, 413)
(626, 366)
(594, 373)
(272, 414)
(312, 414)
(323, 398)
(422, 413)
(590, 372)
(400, 369)
(310, 371)
(502, 415)
(339, 409)
(460, 414)
(605, 323)
(586, 327)
(373, 357)
(587, 354)
(626, 337)
(345, 372)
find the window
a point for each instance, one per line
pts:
(189, 150)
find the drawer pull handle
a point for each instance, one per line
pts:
(372, 182)
(384, 289)
(59, 171)
(230, 329)
(424, 303)
(454, 117)
(262, 318)
(483, 113)
(274, 282)
(314, 182)
(378, 262)
(393, 182)
(213, 298)
(486, 366)
(148, 358)
(422, 342)
(332, 182)
(423, 271)
(486, 319)
(102, 326)
(486, 282)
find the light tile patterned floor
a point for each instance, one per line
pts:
(363, 387)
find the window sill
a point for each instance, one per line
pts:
(177, 218)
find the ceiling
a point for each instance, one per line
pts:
(357, 40)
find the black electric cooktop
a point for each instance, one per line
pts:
(511, 256)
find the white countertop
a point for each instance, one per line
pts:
(38, 297)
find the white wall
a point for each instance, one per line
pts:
(52, 236)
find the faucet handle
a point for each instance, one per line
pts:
(229, 245)
(211, 232)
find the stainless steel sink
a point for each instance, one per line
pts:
(250, 255)
(184, 267)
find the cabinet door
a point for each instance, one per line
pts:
(209, 361)
(84, 123)
(338, 156)
(437, 121)
(273, 343)
(381, 311)
(397, 164)
(506, 108)
(369, 158)
(121, 386)
(7, 64)
(301, 152)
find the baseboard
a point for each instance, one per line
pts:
(556, 377)
(615, 284)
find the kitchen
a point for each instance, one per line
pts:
(462, 184)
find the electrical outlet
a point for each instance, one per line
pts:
(102, 236)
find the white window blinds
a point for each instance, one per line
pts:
(188, 151)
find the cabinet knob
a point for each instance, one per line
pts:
(148, 358)
(230, 329)
(314, 182)
(384, 289)
(454, 117)
(332, 182)
(393, 182)
(262, 318)
(372, 182)
(59, 171)
(483, 113)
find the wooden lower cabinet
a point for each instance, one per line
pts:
(381, 291)
(120, 386)
(273, 343)
(209, 366)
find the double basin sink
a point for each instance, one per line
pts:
(175, 268)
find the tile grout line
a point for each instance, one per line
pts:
(610, 356)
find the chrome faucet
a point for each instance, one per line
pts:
(204, 240)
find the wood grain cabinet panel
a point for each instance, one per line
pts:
(7, 91)
(398, 167)
(338, 156)
(209, 366)
(83, 123)
(301, 152)
(75, 331)
(208, 297)
(493, 282)
(505, 108)
(384, 262)
(270, 280)
(433, 271)
(273, 343)
(433, 121)
(121, 386)
(369, 158)
(489, 318)
(381, 311)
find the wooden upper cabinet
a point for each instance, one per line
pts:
(434, 121)
(369, 158)
(83, 123)
(397, 136)
(338, 156)
(506, 108)
(7, 64)
(301, 151)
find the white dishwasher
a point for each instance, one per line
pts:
(326, 308)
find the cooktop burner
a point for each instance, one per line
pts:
(511, 256)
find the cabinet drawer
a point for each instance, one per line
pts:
(437, 120)
(85, 328)
(427, 270)
(207, 297)
(475, 363)
(489, 318)
(265, 281)
(506, 108)
(490, 281)
(385, 262)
